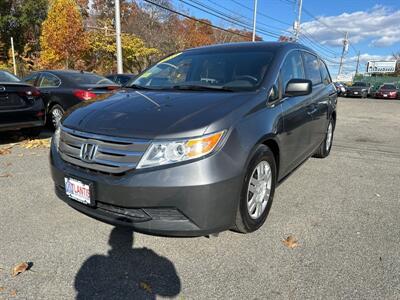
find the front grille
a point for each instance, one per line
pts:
(114, 155)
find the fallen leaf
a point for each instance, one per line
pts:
(290, 242)
(5, 175)
(31, 144)
(5, 151)
(13, 293)
(21, 154)
(2, 288)
(145, 286)
(378, 195)
(19, 268)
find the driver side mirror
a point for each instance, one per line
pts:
(298, 87)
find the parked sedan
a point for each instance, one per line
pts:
(121, 79)
(63, 89)
(358, 89)
(21, 105)
(197, 143)
(387, 91)
(340, 88)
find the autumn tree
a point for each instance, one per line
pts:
(101, 52)
(63, 39)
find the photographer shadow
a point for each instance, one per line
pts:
(126, 272)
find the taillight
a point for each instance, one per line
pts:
(84, 95)
(30, 92)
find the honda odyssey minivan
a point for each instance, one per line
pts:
(197, 143)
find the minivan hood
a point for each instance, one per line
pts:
(151, 114)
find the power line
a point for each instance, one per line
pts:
(246, 18)
(261, 14)
(229, 19)
(194, 19)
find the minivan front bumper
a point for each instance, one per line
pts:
(192, 199)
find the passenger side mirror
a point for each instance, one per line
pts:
(298, 87)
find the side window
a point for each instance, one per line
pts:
(31, 79)
(49, 80)
(311, 66)
(292, 68)
(326, 78)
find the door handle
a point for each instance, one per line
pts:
(312, 109)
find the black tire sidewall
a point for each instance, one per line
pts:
(261, 153)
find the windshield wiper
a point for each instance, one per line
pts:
(191, 87)
(138, 87)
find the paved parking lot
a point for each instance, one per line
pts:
(344, 211)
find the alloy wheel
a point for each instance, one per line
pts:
(259, 189)
(329, 136)
(56, 115)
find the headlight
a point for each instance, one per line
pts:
(168, 152)
(56, 137)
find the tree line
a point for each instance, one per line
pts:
(68, 34)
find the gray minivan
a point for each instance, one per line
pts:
(198, 142)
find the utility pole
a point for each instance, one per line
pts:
(118, 37)
(296, 24)
(358, 62)
(345, 48)
(13, 56)
(254, 21)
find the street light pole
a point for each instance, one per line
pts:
(345, 48)
(358, 62)
(254, 21)
(118, 37)
(297, 22)
(13, 56)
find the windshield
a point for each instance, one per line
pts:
(88, 78)
(230, 70)
(8, 77)
(388, 87)
(359, 84)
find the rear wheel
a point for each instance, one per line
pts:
(257, 191)
(325, 148)
(55, 115)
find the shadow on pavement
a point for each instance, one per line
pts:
(126, 272)
(9, 137)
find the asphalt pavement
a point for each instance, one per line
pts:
(343, 210)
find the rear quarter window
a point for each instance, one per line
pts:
(326, 77)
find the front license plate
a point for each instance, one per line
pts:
(384, 95)
(355, 93)
(77, 190)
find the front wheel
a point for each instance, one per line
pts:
(325, 148)
(257, 191)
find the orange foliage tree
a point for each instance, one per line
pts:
(63, 40)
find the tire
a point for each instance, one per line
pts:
(55, 112)
(325, 148)
(247, 217)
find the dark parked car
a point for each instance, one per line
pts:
(121, 79)
(359, 89)
(200, 141)
(387, 91)
(340, 88)
(21, 105)
(65, 88)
